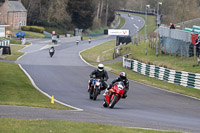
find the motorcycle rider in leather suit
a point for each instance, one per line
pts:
(122, 77)
(99, 73)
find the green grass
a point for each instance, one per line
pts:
(100, 52)
(10, 125)
(122, 22)
(14, 52)
(16, 89)
(57, 30)
(29, 34)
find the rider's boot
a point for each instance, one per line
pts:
(124, 96)
(104, 94)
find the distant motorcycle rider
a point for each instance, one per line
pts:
(51, 51)
(99, 73)
(89, 40)
(122, 77)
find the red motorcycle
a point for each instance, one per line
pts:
(114, 94)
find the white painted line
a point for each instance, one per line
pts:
(21, 56)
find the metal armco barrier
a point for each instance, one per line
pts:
(183, 78)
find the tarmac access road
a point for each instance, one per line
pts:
(66, 77)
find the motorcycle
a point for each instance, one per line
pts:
(114, 94)
(95, 88)
(89, 40)
(51, 51)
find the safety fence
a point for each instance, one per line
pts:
(182, 78)
(4, 42)
(175, 34)
(175, 42)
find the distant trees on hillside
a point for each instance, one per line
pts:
(69, 14)
(173, 10)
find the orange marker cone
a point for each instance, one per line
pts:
(52, 100)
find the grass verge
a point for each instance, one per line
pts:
(29, 34)
(122, 22)
(99, 53)
(10, 125)
(14, 52)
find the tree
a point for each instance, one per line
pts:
(82, 13)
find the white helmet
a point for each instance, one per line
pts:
(100, 67)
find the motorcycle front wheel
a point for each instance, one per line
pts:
(95, 93)
(113, 102)
(91, 94)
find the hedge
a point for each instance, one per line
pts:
(33, 28)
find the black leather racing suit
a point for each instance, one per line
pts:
(100, 75)
(125, 81)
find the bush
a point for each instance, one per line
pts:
(26, 28)
(37, 29)
(33, 28)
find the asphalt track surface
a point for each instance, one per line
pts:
(66, 77)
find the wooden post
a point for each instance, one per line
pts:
(181, 51)
(175, 49)
(187, 50)
(194, 52)
(165, 49)
(161, 50)
(149, 42)
(170, 48)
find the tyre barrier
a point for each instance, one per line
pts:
(182, 78)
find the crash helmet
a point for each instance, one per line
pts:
(122, 75)
(100, 67)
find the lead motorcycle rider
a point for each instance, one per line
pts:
(122, 77)
(99, 73)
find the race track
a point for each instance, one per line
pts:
(66, 77)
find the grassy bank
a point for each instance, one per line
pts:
(9, 125)
(29, 34)
(14, 52)
(99, 53)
